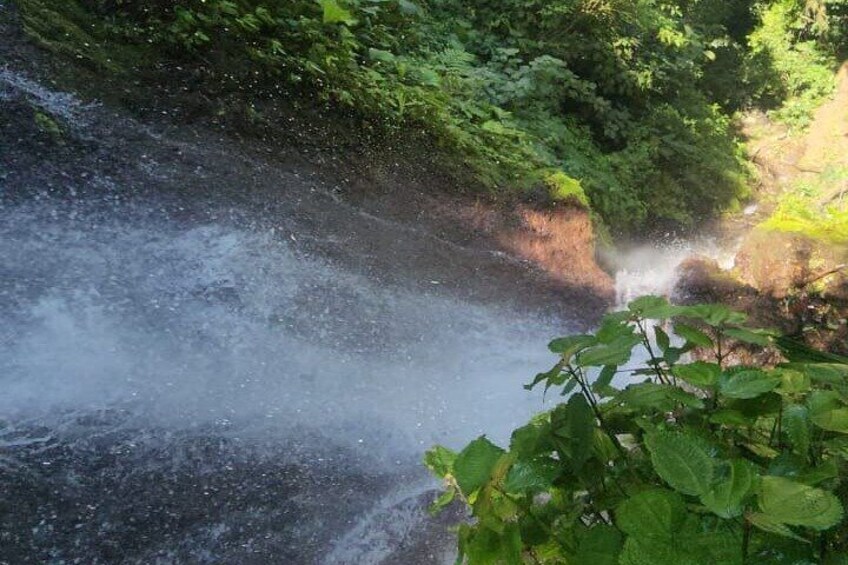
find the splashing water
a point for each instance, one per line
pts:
(170, 331)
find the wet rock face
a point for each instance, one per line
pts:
(775, 263)
(98, 491)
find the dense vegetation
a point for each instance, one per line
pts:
(692, 462)
(626, 104)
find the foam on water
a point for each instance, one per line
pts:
(187, 325)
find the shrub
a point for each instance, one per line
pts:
(691, 462)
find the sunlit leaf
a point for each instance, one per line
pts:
(699, 374)
(681, 462)
(725, 496)
(334, 13)
(474, 465)
(439, 460)
(693, 335)
(828, 412)
(796, 504)
(748, 383)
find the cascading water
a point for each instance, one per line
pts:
(195, 387)
(226, 375)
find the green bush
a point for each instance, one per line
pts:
(799, 69)
(693, 462)
(604, 92)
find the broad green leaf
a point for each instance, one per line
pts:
(334, 13)
(748, 383)
(554, 377)
(714, 314)
(531, 476)
(602, 383)
(693, 335)
(409, 8)
(681, 462)
(567, 347)
(381, 55)
(440, 460)
(699, 374)
(798, 352)
(653, 307)
(727, 417)
(444, 500)
(796, 425)
(756, 337)
(599, 545)
(792, 382)
(828, 412)
(825, 471)
(770, 525)
(828, 373)
(616, 352)
(649, 551)
(653, 513)
(532, 440)
(614, 327)
(474, 465)
(659, 397)
(796, 504)
(663, 341)
(725, 497)
(572, 426)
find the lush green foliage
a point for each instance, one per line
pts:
(794, 70)
(692, 462)
(631, 98)
(605, 92)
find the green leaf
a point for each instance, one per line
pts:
(796, 425)
(798, 352)
(381, 55)
(653, 307)
(474, 464)
(828, 373)
(599, 545)
(828, 412)
(733, 418)
(693, 335)
(602, 383)
(440, 503)
(663, 398)
(725, 497)
(699, 374)
(567, 347)
(654, 513)
(440, 460)
(748, 383)
(796, 504)
(531, 476)
(532, 440)
(572, 426)
(615, 353)
(756, 337)
(792, 382)
(714, 314)
(663, 341)
(554, 377)
(680, 461)
(770, 525)
(334, 13)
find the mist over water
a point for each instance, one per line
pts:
(123, 326)
(209, 324)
